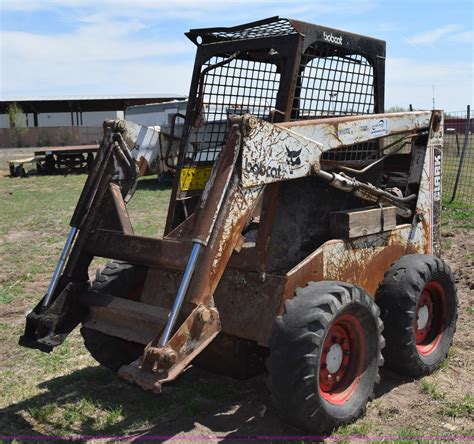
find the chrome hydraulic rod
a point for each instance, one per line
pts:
(366, 191)
(59, 267)
(183, 288)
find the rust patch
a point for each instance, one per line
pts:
(368, 269)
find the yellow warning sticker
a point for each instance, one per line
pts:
(194, 178)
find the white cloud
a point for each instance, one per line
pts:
(463, 37)
(195, 9)
(97, 57)
(430, 37)
(411, 81)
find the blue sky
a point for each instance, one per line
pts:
(99, 47)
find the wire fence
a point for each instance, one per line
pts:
(458, 157)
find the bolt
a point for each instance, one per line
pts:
(204, 315)
(343, 340)
(334, 339)
(252, 122)
(323, 365)
(329, 376)
(338, 378)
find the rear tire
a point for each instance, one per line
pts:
(418, 303)
(325, 354)
(121, 280)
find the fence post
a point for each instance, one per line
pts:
(464, 146)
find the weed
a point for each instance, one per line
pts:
(458, 211)
(446, 244)
(465, 407)
(42, 413)
(113, 416)
(361, 427)
(453, 351)
(431, 389)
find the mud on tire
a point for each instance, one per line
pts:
(123, 280)
(330, 330)
(418, 303)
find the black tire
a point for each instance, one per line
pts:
(299, 359)
(417, 342)
(121, 280)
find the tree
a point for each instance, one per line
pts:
(396, 109)
(18, 127)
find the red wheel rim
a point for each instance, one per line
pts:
(430, 318)
(342, 359)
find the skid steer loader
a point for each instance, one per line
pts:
(302, 222)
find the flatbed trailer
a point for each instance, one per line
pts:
(56, 158)
(51, 159)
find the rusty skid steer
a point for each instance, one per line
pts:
(301, 221)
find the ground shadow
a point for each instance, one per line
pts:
(389, 381)
(219, 404)
(199, 402)
(153, 184)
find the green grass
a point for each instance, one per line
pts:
(463, 408)
(458, 211)
(35, 214)
(450, 169)
(360, 428)
(431, 389)
(65, 391)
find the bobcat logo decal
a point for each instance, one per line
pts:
(293, 158)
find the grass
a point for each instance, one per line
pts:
(76, 396)
(458, 212)
(65, 392)
(35, 215)
(450, 169)
(463, 408)
(432, 390)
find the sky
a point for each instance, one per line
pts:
(113, 47)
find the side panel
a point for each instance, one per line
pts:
(362, 261)
(428, 206)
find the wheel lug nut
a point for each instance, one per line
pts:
(338, 378)
(323, 365)
(329, 376)
(334, 339)
(343, 340)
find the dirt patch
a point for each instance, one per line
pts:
(17, 236)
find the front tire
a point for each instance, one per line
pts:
(418, 303)
(325, 354)
(121, 280)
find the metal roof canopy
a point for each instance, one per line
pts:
(84, 104)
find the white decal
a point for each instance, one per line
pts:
(332, 39)
(437, 178)
(379, 129)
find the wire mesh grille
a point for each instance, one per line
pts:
(238, 87)
(332, 84)
(276, 28)
(458, 158)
